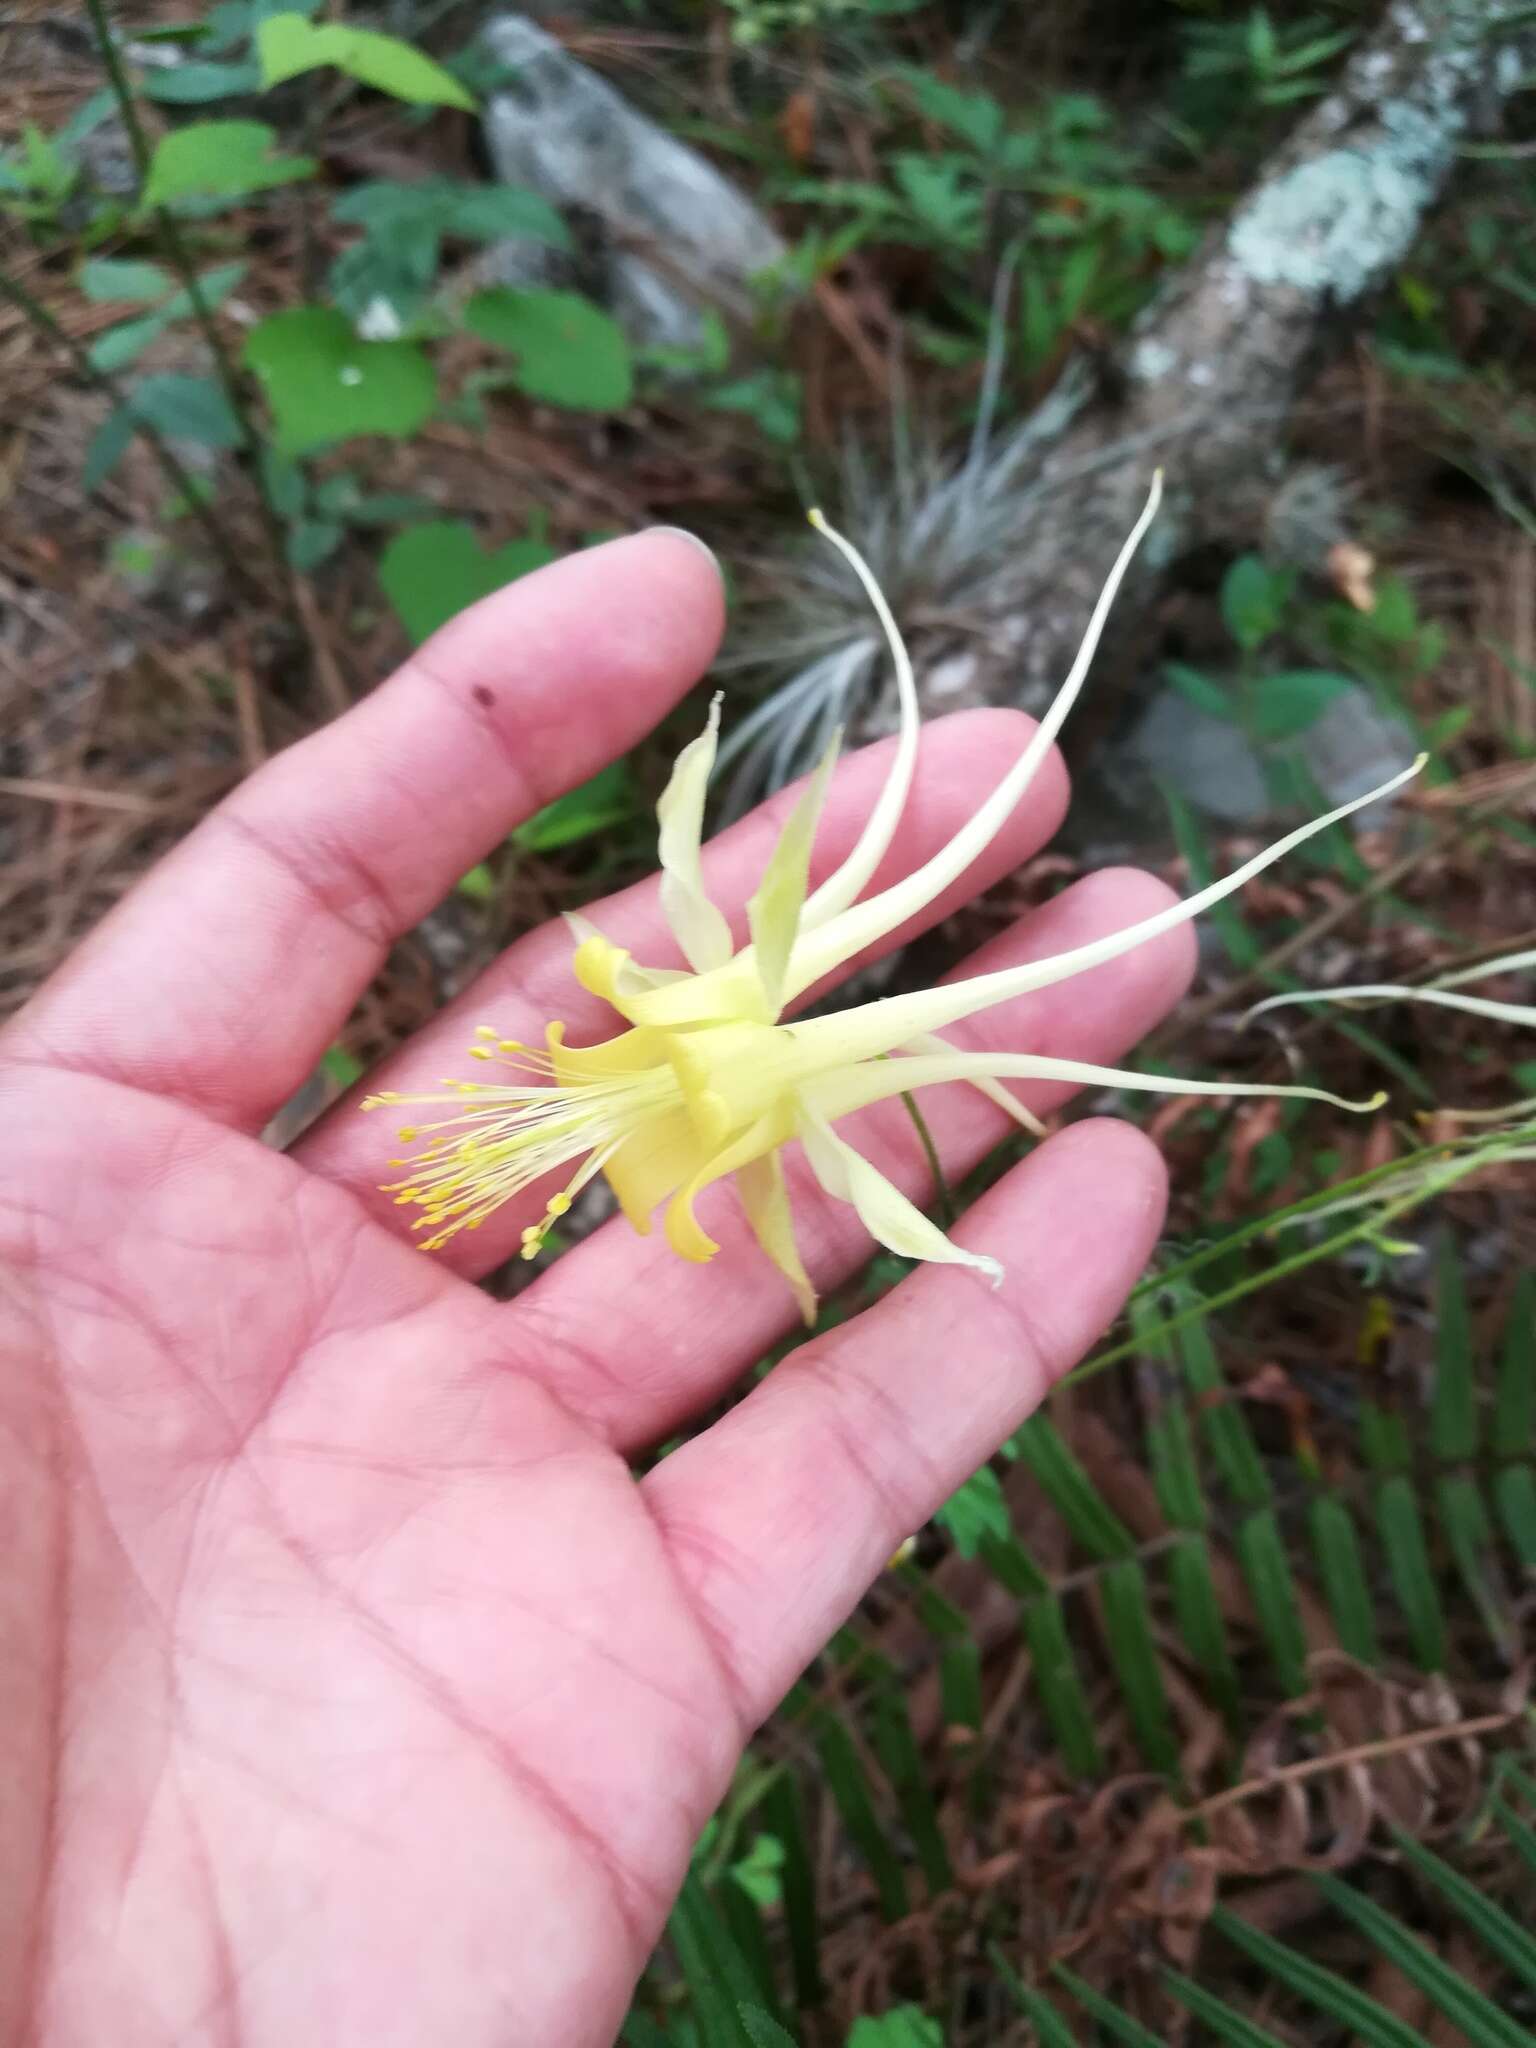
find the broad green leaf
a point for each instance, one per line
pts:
(1200, 690)
(1253, 598)
(187, 409)
(325, 385)
(107, 279)
(1286, 704)
(433, 571)
(977, 1509)
(566, 351)
(287, 44)
(121, 345)
(609, 798)
(905, 2026)
(974, 116)
(219, 160)
(196, 84)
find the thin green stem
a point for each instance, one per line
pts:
(945, 1200)
(168, 229)
(172, 468)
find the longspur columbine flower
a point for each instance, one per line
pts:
(705, 1082)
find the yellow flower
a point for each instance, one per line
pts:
(707, 1083)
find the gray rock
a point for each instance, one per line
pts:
(1174, 745)
(664, 234)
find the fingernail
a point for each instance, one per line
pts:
(682, 533)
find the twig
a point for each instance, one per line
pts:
(1365, 1752)
(72, 793)
(175, 472)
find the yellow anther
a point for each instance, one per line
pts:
(531, 1251)
(481, 1052)
(486, 1031)
(512, 1045)
(406, 1133)
(558, 1205)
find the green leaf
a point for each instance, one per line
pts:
(1117, 2024)
(196, 84)
(287, 44)
(1509, 1941)
(762, 2030)
(123, 344)
(974, 116)
(977, 1509)
(1402, 1536)
(219, 160)
(1514, 1401)
(1065, 1482)
(944, 197)
(1470, 2010)
(107, 447)
(325, 385)
(902, 1761)
(1332, 1994)
(107, 279)
(1133, 1649)
(905, 2026)
(566, 351)
(1224, 2021)
(771, 398)
(608, 799)
(1222, 1421)
(1205, 695)
(1197, 1610)
(1336, 1545)
(340, 1067)
(1253, 599)
(1267, 1571)
(434, 571)
(1515, 1491)
(781, 1811)
(187, 409)
(1284, 705)
(850, 1789)
(1060, 1686)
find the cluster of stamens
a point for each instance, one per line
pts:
(505, 1137)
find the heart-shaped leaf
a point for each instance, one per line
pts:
(325, 385)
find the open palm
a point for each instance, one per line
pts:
(354, 1690)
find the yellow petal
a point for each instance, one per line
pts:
(842, 887)
(685, 1234)
(841, 937)
(774, 911)
(765, 1198)
(995, 1092)
(649, 1167)
(698, 926)
(883, 1209)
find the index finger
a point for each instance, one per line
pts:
(222, 978)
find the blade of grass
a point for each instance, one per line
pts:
(1515, 1491)
(1453, 1430)
(1133, 1651)
(1197, 1611)
(1484, 2023)
(1222, 1422)
(1330, 1993)
(850, 1789)
(782, 1816)
(1514, 1400)
(1060, 1686)
(902, 1762)
(1402, 1535)
(1336, 1545)
(1489, 1922)
(1267, 1572)
(1116, 2023)
(1066, 1484)
(1223, 2020)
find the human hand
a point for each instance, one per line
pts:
(354, 1690)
